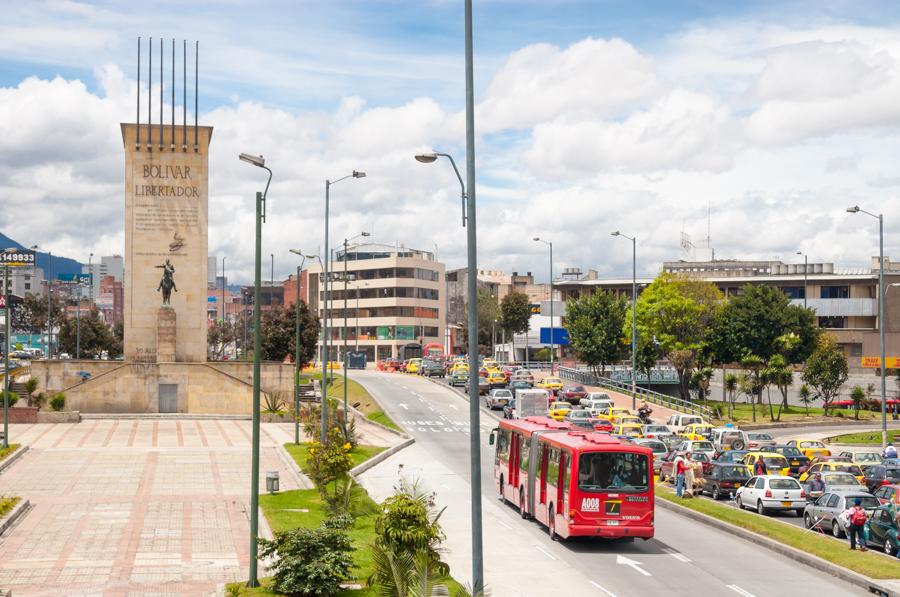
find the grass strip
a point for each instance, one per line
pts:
(866, 437)
(811, 542)
(4, 452)
(358, 455)
(7, 504)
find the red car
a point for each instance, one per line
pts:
(572, 394)
(667, 462)
(888, 494)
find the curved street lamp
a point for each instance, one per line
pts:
(633, 317)
(259, 162)
(552, 327)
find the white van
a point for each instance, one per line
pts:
(679, 421)
(591, 396)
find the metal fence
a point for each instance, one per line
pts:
(660, 376)
(591, 379)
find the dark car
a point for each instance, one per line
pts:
(730, 456)
(883, 530)
(797, 459)
(518, 384)
(432, 369)
(723, 479)
(580, 418)
(571, 394)
(483, 386)
(880, 474)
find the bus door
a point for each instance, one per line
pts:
(562, 491)
(545, 454)
(515, 454)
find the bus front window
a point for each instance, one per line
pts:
(612, 471)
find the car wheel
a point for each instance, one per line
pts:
(715, 492)
(888, 548)
(739, 503)
(760, 509)
(807, 521)
(836, 529)
(522, 511)
(551, 523)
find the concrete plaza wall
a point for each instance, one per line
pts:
(125, 387)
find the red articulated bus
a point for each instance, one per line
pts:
(575, 482)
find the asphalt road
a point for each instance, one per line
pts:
(685, 558)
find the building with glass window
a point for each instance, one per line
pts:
(394, 302)
(845, 299)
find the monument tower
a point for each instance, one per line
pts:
(166, 207)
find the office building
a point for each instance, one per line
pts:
(395, 298)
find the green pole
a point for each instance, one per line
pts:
(254, 472)
(345, 339)
(6, 357)
(325, 321)
(297, 361)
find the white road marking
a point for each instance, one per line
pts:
(403, 406)
(545, 552)
(453, 406)
(602, 589)
(677, 556)
(634, 564)
(740, 591)
(503, 524)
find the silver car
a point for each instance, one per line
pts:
(659, 450)
(825, 512)
(498, 398)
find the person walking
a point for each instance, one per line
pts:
(689, 475)
(760, 467)
(856, 517)
(679, 467)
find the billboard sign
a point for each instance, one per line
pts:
(17, 258)
(75, 278)
(875, 362)
(535, 308)
(560, 336)
(406, 332)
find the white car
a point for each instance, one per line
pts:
(690, 445)
(498, 398)
(598, 404)
(652, 431)
(679, 421)
(592, 396)
(771, 492)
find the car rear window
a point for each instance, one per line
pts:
(785, 483)
(702, 446)
(760, 436)
(892, 473)
(852, 469)
(812, 445)
(790, 451)
(775, 461)
(656, 446)
(735, 471)
(867, 502)
(839, 479)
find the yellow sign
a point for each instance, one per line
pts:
(875, 362)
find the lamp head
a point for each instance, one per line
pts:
(365, 234)
(426, 158)
(256, 160)
(616, 233)
(358, 174)
(536, 239)
(853, 210)
(297, 252)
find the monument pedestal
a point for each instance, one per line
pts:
(165, 335)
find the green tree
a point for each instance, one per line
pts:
(700, 381)
(278, 333)
(595, 325)
(218, 336)
(309, 561)
(647, 351)
(676, 311)
(96, 336)
(857, 394)
(805, 396)
(826, 370)
(515, 314)
(781, 375)
(753, 381)
(731, 385)
(488, 312)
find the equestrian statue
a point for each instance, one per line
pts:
(167, 283)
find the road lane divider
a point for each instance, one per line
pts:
(678, 556)
(608, 594)
(740, 591)
(546, 553)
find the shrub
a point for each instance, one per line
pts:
(309, 561)
(274, 402)
(328, 464)
(11, 396)
(39, 400)
(58, 402)
(342, 521)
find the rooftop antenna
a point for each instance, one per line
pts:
(149, 95)
(161, 82)
(184, 99)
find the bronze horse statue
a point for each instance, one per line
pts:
(167, 283)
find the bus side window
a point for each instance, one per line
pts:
(565, 461)
(553, 467)
(503, 445)
(523, 454)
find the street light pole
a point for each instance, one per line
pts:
(297, 349)
(328, 183)
(49, 305)
(6, 315)
(552, 326)
(805, 275)
(224, 312)
(881, 322)
(633, 317)
(253, 581)
(346, 327)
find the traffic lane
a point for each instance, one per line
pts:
(661, 565)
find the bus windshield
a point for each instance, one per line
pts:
(616, 471)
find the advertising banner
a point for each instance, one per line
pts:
(17, 258)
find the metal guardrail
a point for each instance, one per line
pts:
(591, 379)
(658, 376)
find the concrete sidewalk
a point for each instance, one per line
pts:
(518, 565)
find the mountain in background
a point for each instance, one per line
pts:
(61, 265)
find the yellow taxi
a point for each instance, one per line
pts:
(490, 364)
(629, 429)
(810, 447)
(459, 367)
(628, 419)
(413, 365)
(614, 413)
(559, 410)
(554, 384)
(495, 378)
(844, 467)
(697, 431)
(863, 459)
(776, 464)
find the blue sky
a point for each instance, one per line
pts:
(592, 116)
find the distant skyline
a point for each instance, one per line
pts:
(591, 116)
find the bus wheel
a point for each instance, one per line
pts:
(551, 523)
(522, 504)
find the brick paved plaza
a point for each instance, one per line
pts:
(134, 507)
